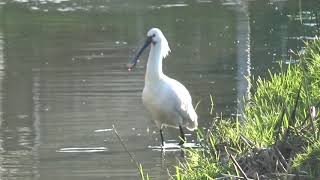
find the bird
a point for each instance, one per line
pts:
(167, 100)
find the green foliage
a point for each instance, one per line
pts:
(201, 165)
(309, 161)
(143, 177)
(278, 93)
(271, 96)
(279, 108)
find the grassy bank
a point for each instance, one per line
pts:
(279, 137)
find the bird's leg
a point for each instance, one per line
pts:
(183, 139)
(161, 135)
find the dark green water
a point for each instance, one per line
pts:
(63, 78)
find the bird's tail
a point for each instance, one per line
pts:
(193, 122)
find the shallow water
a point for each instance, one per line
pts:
(63, 81)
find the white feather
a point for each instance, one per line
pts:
(167, 100)
(165, 49)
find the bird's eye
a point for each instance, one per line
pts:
(153, 35)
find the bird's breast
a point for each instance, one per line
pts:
(151, 97)
(156, 101)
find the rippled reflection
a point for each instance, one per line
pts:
(1, 106)
(64, 85)
(19, 129)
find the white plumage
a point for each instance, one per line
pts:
(167, 100)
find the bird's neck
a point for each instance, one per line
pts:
(154, 66)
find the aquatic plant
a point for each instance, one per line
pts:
(279, 135)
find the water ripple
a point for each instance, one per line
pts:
(82, 149)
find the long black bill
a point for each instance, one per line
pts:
(134, 61)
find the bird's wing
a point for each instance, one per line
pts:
(183, 102)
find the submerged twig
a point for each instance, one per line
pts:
(234, 161)
(281, 158)
(278, 175)
(228, 176)
(294, 111)
(292, 118)
(247, 141)
(126, 149)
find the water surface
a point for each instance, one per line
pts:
(63, 81)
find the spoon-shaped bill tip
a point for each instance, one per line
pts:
(130, 66)
(135, 60)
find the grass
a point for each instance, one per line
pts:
(279, 136)
(309, 160)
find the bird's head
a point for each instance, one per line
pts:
(155, 35)
(156, 38)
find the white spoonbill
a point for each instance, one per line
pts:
(167, 100)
